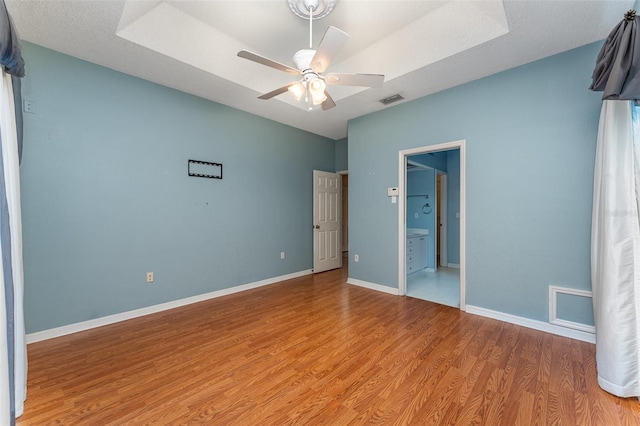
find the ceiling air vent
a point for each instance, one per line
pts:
(391, 99)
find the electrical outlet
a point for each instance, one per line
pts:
(28, 107)
(281, 255)
(356, 258)
(149, 277)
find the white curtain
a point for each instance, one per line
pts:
(10, 163)
(5, 389)
(615, 250)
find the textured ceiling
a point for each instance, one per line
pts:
(420, 46)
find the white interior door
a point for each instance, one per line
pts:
(327, 210)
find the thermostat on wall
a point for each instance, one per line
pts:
(392, 192)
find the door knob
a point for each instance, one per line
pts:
(317, 226)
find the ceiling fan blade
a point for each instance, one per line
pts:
(328, 103)
(276, 92)
(330, 44)
(365, 80)
(268, 62)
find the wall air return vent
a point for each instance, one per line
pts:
(391, 99)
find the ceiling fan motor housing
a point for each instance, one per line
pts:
(302, 59)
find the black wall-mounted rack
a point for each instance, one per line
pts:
(204, 169)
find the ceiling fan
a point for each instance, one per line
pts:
(311, 64)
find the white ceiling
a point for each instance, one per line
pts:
(421, 46)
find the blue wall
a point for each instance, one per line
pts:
(341, 154)
(422, 183)
(453, 206)
(530, 135)
(106, 196)
(436, 160)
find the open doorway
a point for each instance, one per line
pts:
(431, 223)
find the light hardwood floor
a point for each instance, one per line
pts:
(315, 350)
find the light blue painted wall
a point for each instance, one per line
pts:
(106, 196)
(419, 184)
(530, 136)
(453, 206)
(341, 155)
(441, 160)
(437, 160)
(574, 308)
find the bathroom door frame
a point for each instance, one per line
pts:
(402, 211)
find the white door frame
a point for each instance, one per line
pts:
(344, 237)
(442, 230)
(402, 211)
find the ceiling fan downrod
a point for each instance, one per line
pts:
(311, 6)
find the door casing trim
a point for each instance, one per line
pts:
(402, 211)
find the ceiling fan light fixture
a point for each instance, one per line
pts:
(317, 87)
(318, 100)
(297, 90)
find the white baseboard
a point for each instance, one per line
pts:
(534, 324)
(453, 265)
(111, 319)
(373, 286)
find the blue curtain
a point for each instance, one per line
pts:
(13, 64)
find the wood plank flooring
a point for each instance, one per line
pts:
(315, 350)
